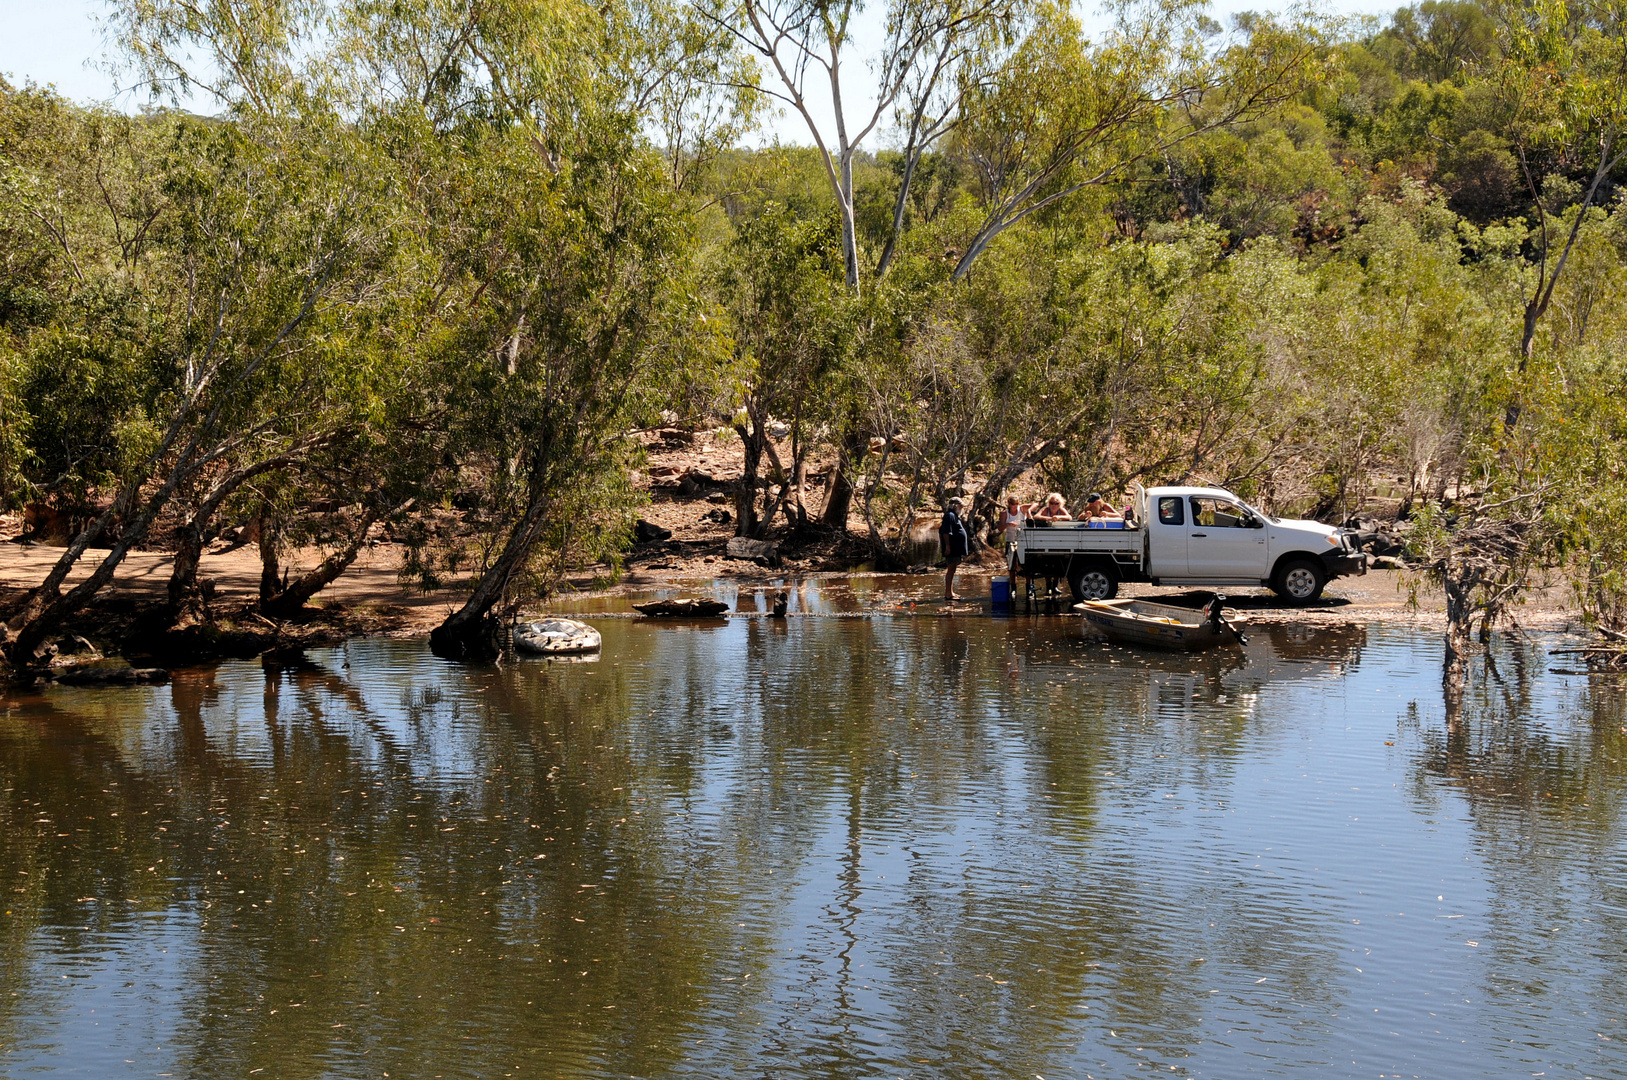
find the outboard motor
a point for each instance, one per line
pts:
(1212, 612)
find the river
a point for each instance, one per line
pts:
(822, 847)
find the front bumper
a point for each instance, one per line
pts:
(1341, 563)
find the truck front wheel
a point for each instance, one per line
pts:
(1299, 581)
(1093, 583)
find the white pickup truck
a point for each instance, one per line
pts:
(1188, 536)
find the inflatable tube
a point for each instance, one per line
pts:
(555, 637)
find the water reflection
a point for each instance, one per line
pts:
(1537, 766)
(833, 595)
(946, 847)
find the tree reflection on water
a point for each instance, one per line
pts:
(1540, 772)
(835, 847)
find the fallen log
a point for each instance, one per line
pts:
(682, 609)
(110, 676)
(761, 552)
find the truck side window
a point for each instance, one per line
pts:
(1217, 513)
(1170, 511)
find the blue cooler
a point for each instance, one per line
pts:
(1000, 591)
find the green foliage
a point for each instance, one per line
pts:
(794, 329)
(1437, 40)
(457, 253)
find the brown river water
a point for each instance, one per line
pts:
(824, 847)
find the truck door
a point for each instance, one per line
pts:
(1224, 541)
(1166, 537)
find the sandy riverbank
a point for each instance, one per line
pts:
(371, 599)
(373, 583)
(684, 480)
(143, 576)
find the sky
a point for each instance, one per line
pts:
(58, 42)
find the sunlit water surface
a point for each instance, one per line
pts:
(825, 847)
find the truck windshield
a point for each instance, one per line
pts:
(1257, 512)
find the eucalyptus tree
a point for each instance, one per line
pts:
(1094, 366)
(336, 494)
(1438, 40)
(563, 306)
(1560, 75)
(81, 191)
(267, 246)
(586, 321)
(931, 53)
(1064, 114)
(257, 55)
(683, 75)
(545, 243)
(792, 329)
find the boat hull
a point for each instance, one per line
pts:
(1157, 626)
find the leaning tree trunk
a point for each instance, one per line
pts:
(294, 595)
(272, 578)
(745, 495)
(839, 499)
(184, 594)
(48, 607)
(472, 632)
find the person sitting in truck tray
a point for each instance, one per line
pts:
(1099, 507)
(1054, 509)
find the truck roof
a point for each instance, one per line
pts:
(1215, 493)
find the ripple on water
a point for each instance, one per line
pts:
(924, 847)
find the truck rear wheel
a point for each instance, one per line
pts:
(1094, 582)
(1299, 581)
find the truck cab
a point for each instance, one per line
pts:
(1190, 536)
(1208, 536)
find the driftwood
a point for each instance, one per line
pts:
(682, 609)
(762, 552)
(646, 533)
(110, 676)
(1603, 656)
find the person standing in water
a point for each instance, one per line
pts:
(955, 542)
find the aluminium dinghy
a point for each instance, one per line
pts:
(1162, 626)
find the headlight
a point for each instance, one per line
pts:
(1336, 540)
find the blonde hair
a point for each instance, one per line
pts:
(1056, 497)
